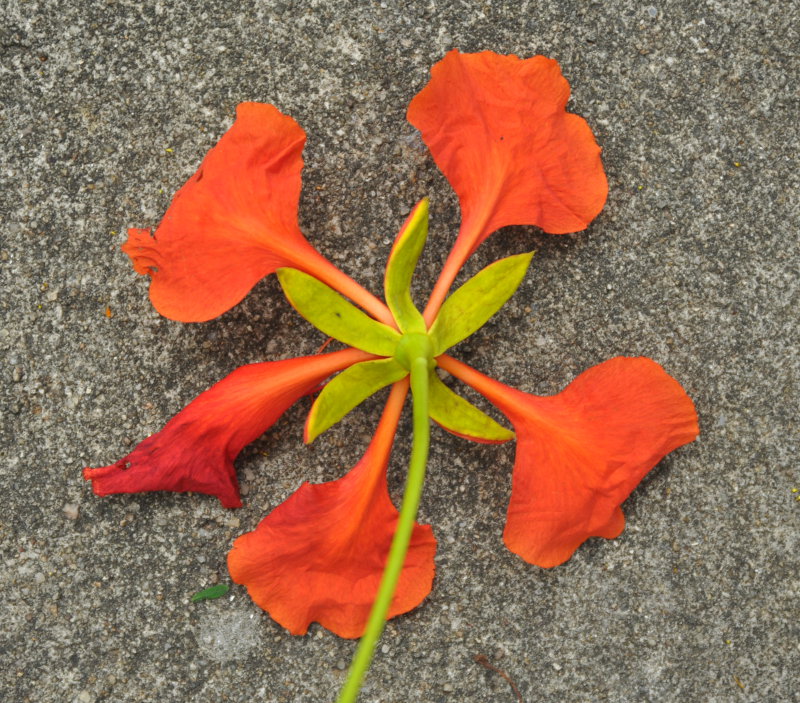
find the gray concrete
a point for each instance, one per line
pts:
(109, 106)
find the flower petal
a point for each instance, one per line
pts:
(196, 448)
(497, 128)
(234, 222)
(581, 452)
(319, 556)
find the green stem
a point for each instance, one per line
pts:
(402, 536)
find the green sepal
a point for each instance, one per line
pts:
(459, 416)
(352, 386)
(400, 269)
(329, 312)
(212, 592)
(471, 306)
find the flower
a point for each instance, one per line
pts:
(498, 129)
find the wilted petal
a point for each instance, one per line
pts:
(319, 556)
(234, 222)
(581, 452)
(196, 448)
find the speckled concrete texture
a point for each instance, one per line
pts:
(107, 107)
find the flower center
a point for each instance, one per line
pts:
(414, 345)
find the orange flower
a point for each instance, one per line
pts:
(498, 129)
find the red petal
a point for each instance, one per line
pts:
(497, 128)
(581, 452)
(196, 448)
(319, 556)
(234, 222)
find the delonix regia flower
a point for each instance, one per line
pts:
(498, 129)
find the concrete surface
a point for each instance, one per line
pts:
(107, 107)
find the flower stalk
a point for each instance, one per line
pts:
(420, 362)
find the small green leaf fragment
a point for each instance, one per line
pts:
(459, 416)
(400, 269)
(347, 390)
(329, 312)
(471, 306)
(212, 592)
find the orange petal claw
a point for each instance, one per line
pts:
(196, 448)
(581, 452)
(497, 128)
(319, 556)
(234, 222)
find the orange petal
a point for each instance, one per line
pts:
(234, 222)
(196, 448)
(581, 452)
(319, 556)
(497, 128)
